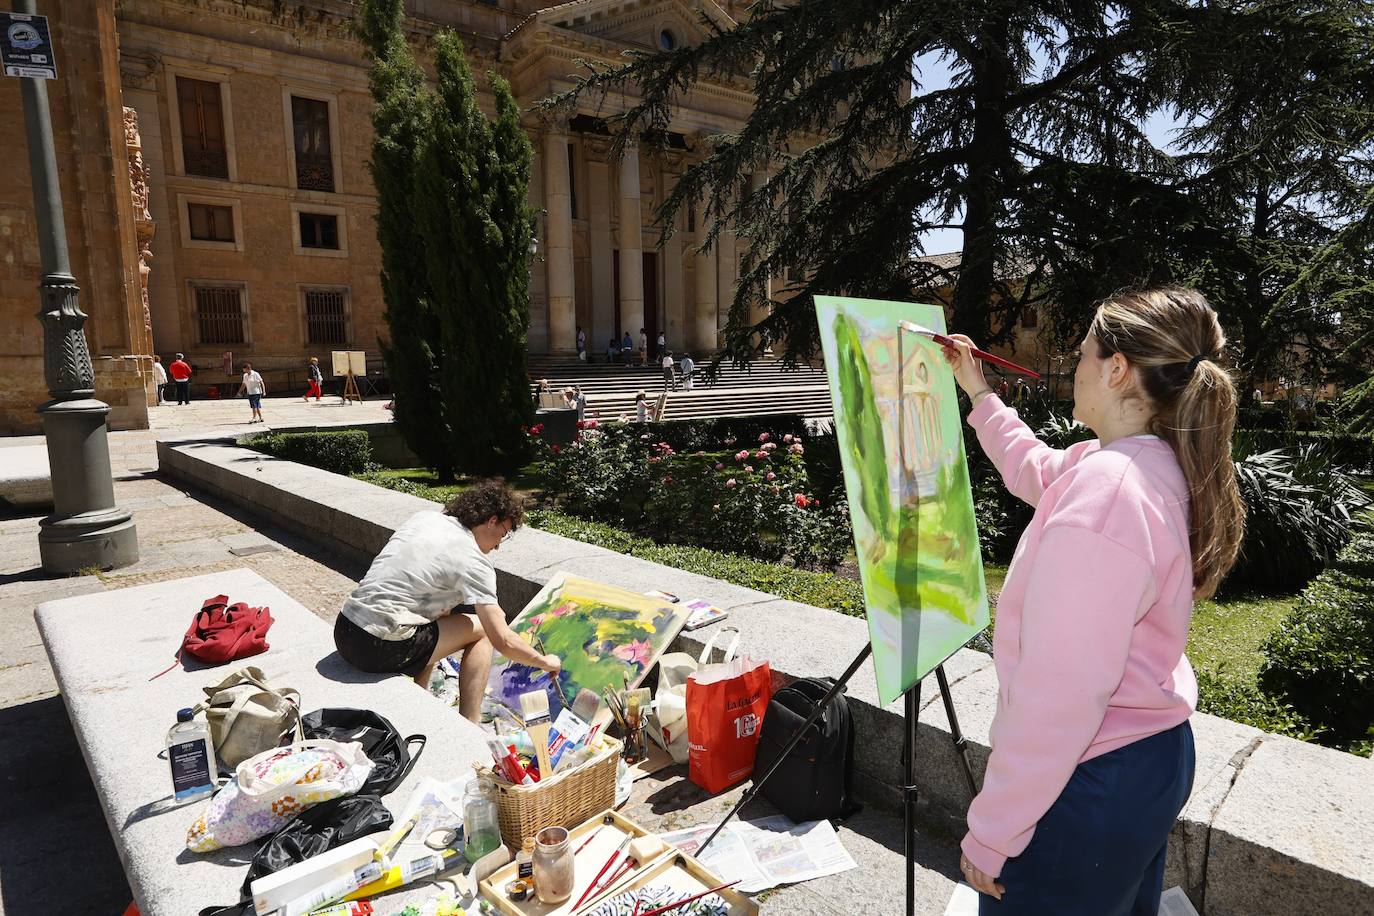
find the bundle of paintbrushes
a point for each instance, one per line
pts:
(529, 755)
(630, 709)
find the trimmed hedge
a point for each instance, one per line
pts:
(1320, 659)
(340, 451)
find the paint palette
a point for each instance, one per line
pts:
(610, 829)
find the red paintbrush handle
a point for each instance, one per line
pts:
(673, 906)
(591, 887)
(987, 357)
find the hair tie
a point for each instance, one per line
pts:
(1192, 363)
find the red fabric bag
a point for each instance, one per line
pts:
(222, 632)
(725, 707)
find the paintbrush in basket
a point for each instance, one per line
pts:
(534, 706)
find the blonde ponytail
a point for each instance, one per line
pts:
(1174, 340)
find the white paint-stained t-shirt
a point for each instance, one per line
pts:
(431, 565)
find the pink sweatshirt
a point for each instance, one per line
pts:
(1091, 623)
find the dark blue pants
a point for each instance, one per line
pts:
(1099, 850)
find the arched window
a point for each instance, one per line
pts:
(667, 41)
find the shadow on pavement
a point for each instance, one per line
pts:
(56, 854)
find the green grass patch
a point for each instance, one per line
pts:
(1226, 635)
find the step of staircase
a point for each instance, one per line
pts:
(810, 400)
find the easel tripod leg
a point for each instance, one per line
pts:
(960, 742)
(909, 791)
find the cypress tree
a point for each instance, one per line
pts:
(471, 205)
(454, 225)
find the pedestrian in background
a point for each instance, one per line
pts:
(688, 367)
(160, 380)
(180, 370)
(255, 387)
(643, 348)
(668, 380)
(662, 344)
(581, 344)
(316, 379)
(627, 346)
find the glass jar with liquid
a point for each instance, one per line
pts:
(481, 828)
(553, 865)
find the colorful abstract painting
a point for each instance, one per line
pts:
(605, 636)
(901, 443)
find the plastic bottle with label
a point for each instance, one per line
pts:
(192, 758)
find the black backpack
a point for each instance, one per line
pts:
(812, 783)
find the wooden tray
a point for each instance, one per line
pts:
(585, 867)
(682, 873)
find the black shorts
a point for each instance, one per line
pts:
(375, 655)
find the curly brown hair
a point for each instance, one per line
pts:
(484, 499)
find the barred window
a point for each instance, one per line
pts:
(211, 223)
(319, 230)
(326, 316)
(220, 314)
(202, 128)
(314, 159)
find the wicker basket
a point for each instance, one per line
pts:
(564, 801)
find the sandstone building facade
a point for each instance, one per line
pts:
(213, 156)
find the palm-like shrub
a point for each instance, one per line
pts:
(1300, 506)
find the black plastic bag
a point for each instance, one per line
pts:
(317, 829)
(389, 752)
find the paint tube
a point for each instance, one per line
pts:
(569, 734)
(355, 908)
(508, 765)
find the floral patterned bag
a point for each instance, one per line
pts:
(273, 787)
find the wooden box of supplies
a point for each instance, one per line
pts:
(566, 800)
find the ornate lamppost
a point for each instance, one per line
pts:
(86, 528)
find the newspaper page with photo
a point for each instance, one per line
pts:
(767, 852)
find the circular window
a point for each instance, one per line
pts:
(667, 40)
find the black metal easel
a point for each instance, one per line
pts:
(909, 790)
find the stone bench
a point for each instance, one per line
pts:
(104, 648)
(25, 481)
(1273, 825)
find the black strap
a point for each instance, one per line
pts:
(421, 740)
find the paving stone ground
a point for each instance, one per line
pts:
(55, 849)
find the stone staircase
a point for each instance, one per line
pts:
(764, 387)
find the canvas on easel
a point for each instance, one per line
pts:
(606, 637)
(348, 365)
(906, 474)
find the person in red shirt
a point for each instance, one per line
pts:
(180, 371)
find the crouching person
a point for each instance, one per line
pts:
(431, 593)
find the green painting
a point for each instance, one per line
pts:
(606, 637)
(902, 447)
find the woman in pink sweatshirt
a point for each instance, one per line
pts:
(1092, 755)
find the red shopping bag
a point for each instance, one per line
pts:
(725, 707)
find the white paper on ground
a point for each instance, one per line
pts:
(767, 852)
(1174, 902)
(964, 902)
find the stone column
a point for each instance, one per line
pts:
(760, 310)
(559, 245)
(602, 264)
(631, 250)
(702, 336)
(727, 269)
(674, 299)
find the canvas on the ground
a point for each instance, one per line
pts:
(901, 444)
(603, 635)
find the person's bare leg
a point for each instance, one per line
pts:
(463, 632)
(472, 678)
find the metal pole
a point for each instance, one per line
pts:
(960, 742)
(909, 792)
(86, 529)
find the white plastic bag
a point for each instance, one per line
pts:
(275, 786)
(668, 727)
